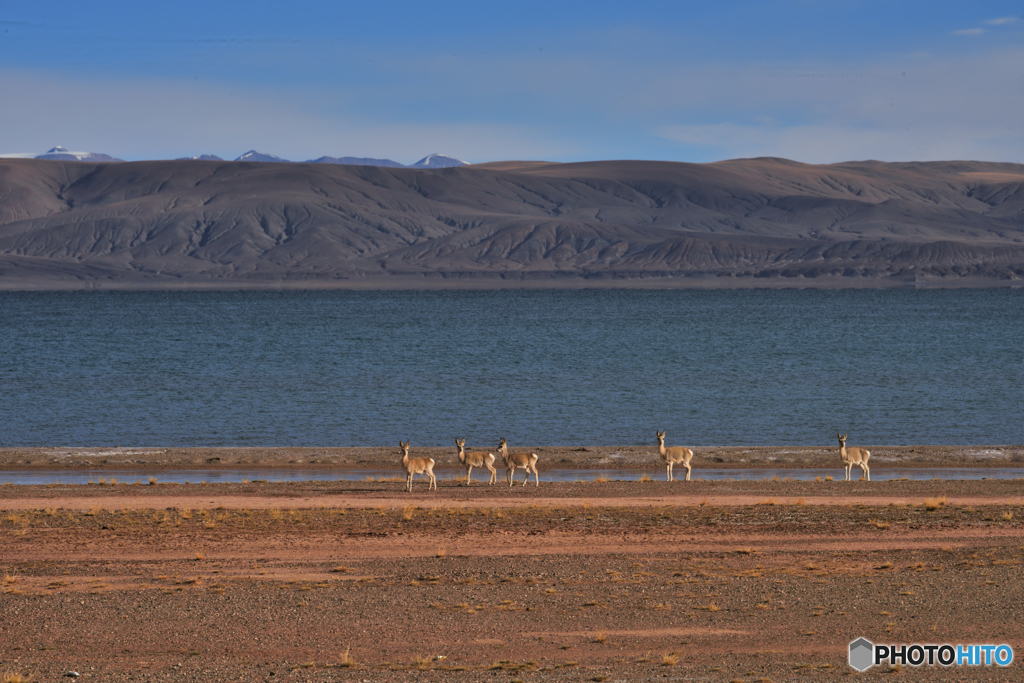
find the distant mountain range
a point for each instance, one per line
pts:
(430, 161)
(740, 223)
(59, 153)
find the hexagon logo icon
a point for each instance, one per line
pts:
(862, 653)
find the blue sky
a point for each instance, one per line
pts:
(819, 82)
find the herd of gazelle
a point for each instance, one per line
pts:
(670, 455)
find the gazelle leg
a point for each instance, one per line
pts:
(469, 474)
(687, 471)
(668, 472)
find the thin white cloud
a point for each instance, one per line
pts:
(923, 109)
(1001, 21)
(833, 142)
(968, 32)
(556, 107)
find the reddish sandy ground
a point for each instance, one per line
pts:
(636, 581)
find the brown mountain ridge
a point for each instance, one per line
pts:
(740, 223)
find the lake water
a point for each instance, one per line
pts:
(108, 477)
(542, 368)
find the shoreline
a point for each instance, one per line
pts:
(156, 459)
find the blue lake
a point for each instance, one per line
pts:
(542, 368)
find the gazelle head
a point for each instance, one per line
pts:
(661, 437)
(461, 446)
(842, 440)
(405, 448)
(502, 444)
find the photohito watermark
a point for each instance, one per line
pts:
(864, 654)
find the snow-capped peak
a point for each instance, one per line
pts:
(59, 153)
(439, 161)
(253, 155)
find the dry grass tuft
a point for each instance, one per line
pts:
(1007, 516)
(829, 478)
(645, 478)
(670, 659)
(932, 504)
(601, 637)
(408, 512)
(441, 551)
(15, 677)
(345, 660)
(421, 662)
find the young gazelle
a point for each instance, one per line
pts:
(854, 456)
(674, 455)
(513, 461)
(476, 459)
(416, 466)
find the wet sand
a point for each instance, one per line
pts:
(561, 457)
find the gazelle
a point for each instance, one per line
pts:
(854, 456)
(476, 459)
(513, 461)
(416, 466)
(673, 455)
